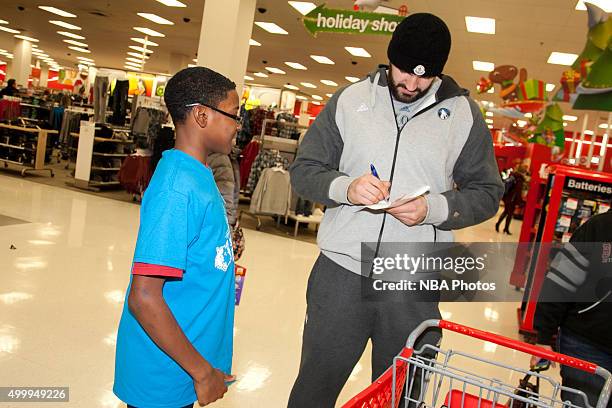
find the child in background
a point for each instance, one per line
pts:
(175, 338)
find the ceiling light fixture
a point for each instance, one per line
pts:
(260, 75)
(254, 43)
(329, 95)
(71, 35)
(483, 66)
(308, 85)
(9, 30)
(148, 31)
(480, 25)
(271, 28)
(489, 121)
(249, 78)
(132, 68)
(26, 38)
(303, 7)
(550, 87)
(352, 79)
(79, 49)
(65, 25)
(77, 43)
(155, 18)
(84, 58)
(561, 58)
(144, 41)
(292, 87)
(137, 61)
(570, 118)
(141, 49)
(275, 70)
(328, 82)
(317, 97)
(57, 11)
(489, 114)
(172, 3)
(138, 55)
(3, 22)
(322, 60)
(603, 126)
(296, 65)
(358, 52)
(300, 97)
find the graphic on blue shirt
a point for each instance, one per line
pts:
(183, 225)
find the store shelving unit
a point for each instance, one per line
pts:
(102, 158)
(568, 199)
(30, 155)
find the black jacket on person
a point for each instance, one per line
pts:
(577, 292)
(8, 91)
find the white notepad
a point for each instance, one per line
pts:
(405, 198)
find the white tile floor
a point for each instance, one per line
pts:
(61, 294)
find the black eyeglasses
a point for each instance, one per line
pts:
(236, 118)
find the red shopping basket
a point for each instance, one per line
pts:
(378, 394)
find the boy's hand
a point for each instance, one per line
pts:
(211, 387)
(368, 190)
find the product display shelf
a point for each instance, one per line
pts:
(31, 157)
(104, 157)
(572, 195)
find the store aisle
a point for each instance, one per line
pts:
(62, 290)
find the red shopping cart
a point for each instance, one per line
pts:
(452, 379)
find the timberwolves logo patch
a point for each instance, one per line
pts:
(443, 113)
(419, 70)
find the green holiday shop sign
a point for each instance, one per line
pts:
(324, 20)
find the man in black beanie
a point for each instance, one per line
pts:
(402, 127)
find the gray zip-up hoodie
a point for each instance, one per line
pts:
(445, 145)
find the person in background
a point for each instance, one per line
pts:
(575, 305)
(10, 90)
(226, 172)
(512, 196)
(175, 337)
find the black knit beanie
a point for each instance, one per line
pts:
(420, 45)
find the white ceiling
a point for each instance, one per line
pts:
(527, 31)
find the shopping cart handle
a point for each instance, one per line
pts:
(506, 342)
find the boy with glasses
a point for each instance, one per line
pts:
(175, 338)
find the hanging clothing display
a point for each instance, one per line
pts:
(120, 101)
(57, 117)
(146, 125)
(100, 98)
(272, 195)
(244, 136)
(135, 173)
(257, 117)
(249, 154)
(265, 159)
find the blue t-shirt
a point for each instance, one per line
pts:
(183, 225)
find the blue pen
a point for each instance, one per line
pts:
(374, 172)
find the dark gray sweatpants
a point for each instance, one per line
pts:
(339, 323)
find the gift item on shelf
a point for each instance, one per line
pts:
(26, 147)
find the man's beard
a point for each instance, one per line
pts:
(403, 98)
